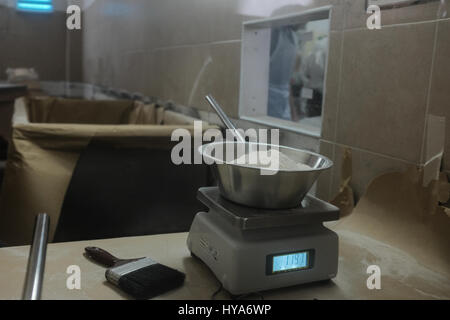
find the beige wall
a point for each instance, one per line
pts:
(381, 85)
(384, 85)
(39, 41)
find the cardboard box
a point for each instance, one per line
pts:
(47, 138)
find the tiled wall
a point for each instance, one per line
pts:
(38, 41)
(384, 84)
(381, 84)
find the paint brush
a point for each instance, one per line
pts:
(142, 278)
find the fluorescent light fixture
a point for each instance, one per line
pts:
(35, 5)
(36, 1)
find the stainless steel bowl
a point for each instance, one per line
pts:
(244, 184)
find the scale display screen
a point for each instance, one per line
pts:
(290, 262)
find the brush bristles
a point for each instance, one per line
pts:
(151, 281)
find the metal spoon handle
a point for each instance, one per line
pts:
(226, 121)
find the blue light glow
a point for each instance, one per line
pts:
(289, 262)
(35, 5)
(38, 1)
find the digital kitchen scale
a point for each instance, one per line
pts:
(251, 250)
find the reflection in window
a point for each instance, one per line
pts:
(297, 71)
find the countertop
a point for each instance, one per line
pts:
(356, 253)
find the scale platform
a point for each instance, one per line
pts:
(251, 250)
(312, 210)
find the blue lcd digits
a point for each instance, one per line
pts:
(290, 262)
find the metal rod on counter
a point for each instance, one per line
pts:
(222, 115)
(36, 259)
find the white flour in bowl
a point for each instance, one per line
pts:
(264, 160)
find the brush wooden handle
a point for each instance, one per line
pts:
(101, 256)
